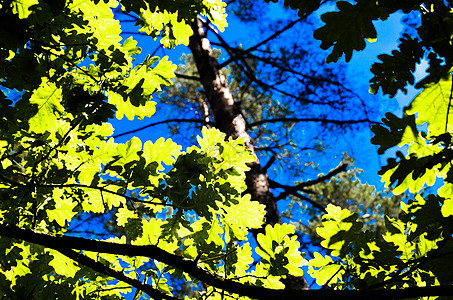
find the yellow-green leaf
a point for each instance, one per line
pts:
(123, 215)
(47, 98)
(63, 208)
(432, 106)
(62, 264)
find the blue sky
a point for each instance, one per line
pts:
(388, 33)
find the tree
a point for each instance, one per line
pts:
(238, 101)
(64, 74)
(283, 105)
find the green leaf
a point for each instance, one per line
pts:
(324, 270)
(424, 216)
(396, 132)
(215, 233)
(280, 251)
(161, 151)
(126, 108)
(130, 45)
(94, 201)
(243, 216)
(210, 140)
(447, 208)
(100, 17)
(134, 228)
(22, 7)
(339, 228)
(395, 71)
(162, 73)
(409, 172)
(128, 152)
(123, 215)
(63, 210)
(446, 191)
(136, 90)
(243, 259)
(216, 13)
(152, 231)
(433, 106)
(88, 164)
(47, 100)
(166, 25)
(62, 264)
(347, 28)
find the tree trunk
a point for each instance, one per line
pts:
(229, 119)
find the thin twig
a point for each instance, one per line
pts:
(164, 122)
(271, 37)
(336, 122)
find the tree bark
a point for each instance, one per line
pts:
(230, 120)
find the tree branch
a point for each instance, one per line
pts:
(240, 54)
(78, 185)
(418, 263)
(269, 163)
(292, 190)
(336, 122)
(103, 269)
(282, 67)
(64, 244)
(340, 168)
(164, 122)
(305, 198)
(252, 76)
(179, 75)
(271, 37)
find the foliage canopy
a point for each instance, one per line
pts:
(65, 72)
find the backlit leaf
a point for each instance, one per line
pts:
(63, 210)
(433, 106)
(62, 265)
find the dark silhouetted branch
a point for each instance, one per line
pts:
(134, 33)
(416, 264)
(282, 67)
(251, 76)
(340, 168)
(65, 245)
(164, 122)
(103, 269)
(179, 75)
(78, 185)
(292, 190)
(270, 38)
(269, 163)
(305, 198)
(336, 122)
